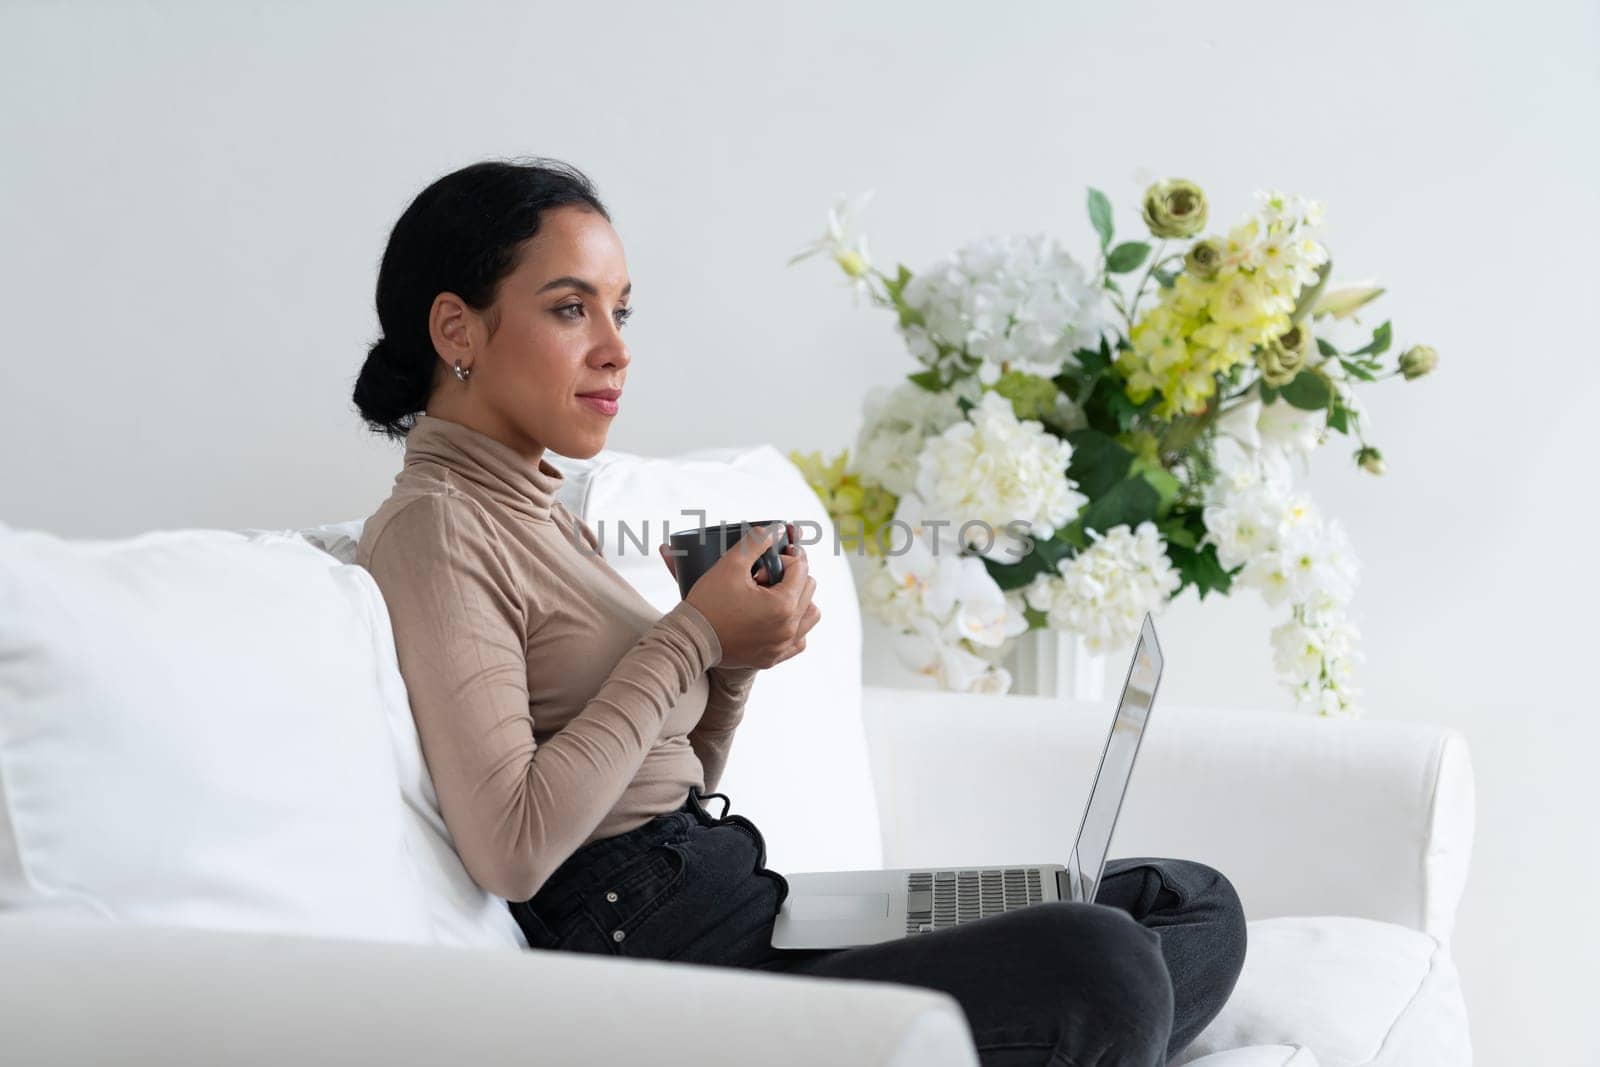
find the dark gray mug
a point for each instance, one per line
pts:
(694, 552)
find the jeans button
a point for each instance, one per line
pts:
(612, 896)
(617, 935)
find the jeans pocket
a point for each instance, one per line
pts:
(626, 900)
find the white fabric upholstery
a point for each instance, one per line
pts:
(1305, 815)
(1397, 995)
(462, 912)
(1280, 804)
(1259, 1056)
(191, 734)
(85, 992)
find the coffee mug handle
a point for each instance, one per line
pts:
(773, 561)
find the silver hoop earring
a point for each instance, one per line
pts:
(463, 375)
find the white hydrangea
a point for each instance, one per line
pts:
(1022, 301)
(992, 470)
(1103, 593)
(895, 424)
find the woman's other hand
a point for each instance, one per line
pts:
(758, 625)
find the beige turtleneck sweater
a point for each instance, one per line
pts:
(554, 704)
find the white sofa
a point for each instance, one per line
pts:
(219, 845)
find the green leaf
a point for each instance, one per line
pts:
(1167, 278)
(1092, 360)
(1268, 393)
(1129, 502)
(1165, 485)
(1111, 283)
(1309, 391)
(1183, 431)
(1100, 216)
(1108, 408)
(1325, 346)
(1379, 343)
(1097, 462)
(928, 379)
(1045, 558)
(1339, 418)
(1126, 257)
(896, 284)
(1174, 532)
(1356, 370)
(1199, 568)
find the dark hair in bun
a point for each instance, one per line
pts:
(461, 234)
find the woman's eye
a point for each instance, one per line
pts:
(622, 315)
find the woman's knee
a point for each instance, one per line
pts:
(1210, 898)
(1104, 974)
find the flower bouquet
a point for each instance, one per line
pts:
(1065, 458)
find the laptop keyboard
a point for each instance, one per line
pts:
(937, 899)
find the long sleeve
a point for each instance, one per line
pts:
(515, 808)
(712, 738)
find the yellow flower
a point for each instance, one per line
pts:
(1237, 300)
(859, 510)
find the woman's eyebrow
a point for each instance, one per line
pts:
(579, 283)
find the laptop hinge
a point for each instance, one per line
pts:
(1063, 885)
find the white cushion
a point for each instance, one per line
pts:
(799, 766)
(191, 734)
(1354, 991)
(1260, 1056)
(463, 913)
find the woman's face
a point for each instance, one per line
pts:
(557, 333)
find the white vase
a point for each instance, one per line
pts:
(1053, 663)
(1041, 662)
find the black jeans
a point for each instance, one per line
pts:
(1129, 979)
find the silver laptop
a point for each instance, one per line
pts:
(838, 909)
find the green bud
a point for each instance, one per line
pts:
(1175, 208)
(1282, 357)
(1370, 459)
(1204, 259)
(851, 262)
(1417, 361)
(1346, 301)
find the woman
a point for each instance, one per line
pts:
(571, 730)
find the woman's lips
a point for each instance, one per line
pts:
(604, 407)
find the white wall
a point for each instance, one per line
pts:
(194, 199)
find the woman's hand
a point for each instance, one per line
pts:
(758, 625)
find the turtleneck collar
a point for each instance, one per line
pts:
(527, 486)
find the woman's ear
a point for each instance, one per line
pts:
(450, 327)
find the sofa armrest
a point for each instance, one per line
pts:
(1304, 815)
(87, 991)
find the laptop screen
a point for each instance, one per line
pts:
(1116, 765)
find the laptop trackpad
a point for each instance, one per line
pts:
(839, 906)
